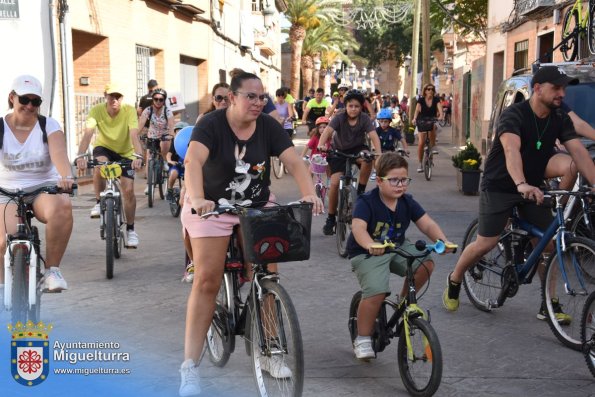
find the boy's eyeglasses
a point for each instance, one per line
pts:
(219, 98)
(25, 100)
(160, 99)
(397, 181)
(253, 98)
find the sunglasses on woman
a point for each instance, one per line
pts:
(219, 98)
(25, 100)
(159, 99)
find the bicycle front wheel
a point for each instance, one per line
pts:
(588, 332)
(483, 281)
(420, 363)
(20, 284)
(570, 48)
(278, 168)
(159, 177)
(347, 198)
(427, 165)
(564, 298)
(591, 28)
(276, 343)
(150, 181)
(110, 237)
(174, 204)
(220, 335)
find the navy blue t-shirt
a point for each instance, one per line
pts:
(382, 222)
(388, 138)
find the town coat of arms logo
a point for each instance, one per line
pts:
(29, 352)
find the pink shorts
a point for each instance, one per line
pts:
(213, 226)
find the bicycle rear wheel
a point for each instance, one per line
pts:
(591, 28)
(278, 168)
(150, 181)
(427, 165)
(347, 198)
(578, 263)
(174, 204)
(420, 365)
(588, 332)
(276, 343)
(483, 281)
(20, 284)
(579, 226)
(570, 48)
(110, 235)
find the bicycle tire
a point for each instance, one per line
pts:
(278, 168)
(353, 308)
(579, 251)
(220, 335)
(110, 232)
(347, 198)
(150, 182)
(483, 281)
(591, 26)
(570, 48)
(283, 340)
(427, 165)
(579, 227)
(35, 310)
(159, 178)
(426, 353)
(174, 204)
(588, 332)
(118, 226)
(20, 284)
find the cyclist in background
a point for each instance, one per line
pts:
(315, 108)
(314, 135)
(338, 101)
(389, 136)
(311, 93)
(376, 219)
(428, 107)
(117, 139)
(33, 156)
(158, 121)
(219, 99)
(284, 112)
(348, 131)
(146, 100)
(227, 149)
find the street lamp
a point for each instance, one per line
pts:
(317, 64)
(268, 11)
(407, 63)
(372, 74)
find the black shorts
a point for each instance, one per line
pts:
(495, 208)
(100, 151)
(338, 164)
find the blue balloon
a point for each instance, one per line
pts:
(182, 140)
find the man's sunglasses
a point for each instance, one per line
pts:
(219, 98)
(160, 99)
(25, 100)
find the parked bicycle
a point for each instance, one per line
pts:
(578, 24)
(318, 166)
(22, 261)
(265, 317)
(569, 272)
(155, 170)
(347, 196)
(419, 355)
(588, 332)
(112, 215)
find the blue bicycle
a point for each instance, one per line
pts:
(569, 272)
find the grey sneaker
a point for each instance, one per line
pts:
(53, 280)
(363, 348)
(190, 379)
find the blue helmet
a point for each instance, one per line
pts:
(384, 114)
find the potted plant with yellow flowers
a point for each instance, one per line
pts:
(468, 161)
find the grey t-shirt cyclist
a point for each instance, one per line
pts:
(350, 137)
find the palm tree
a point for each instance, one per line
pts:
(304, 15)
(327, 38)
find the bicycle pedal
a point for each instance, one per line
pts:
(55, 291)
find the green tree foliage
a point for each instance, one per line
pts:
(464, 16)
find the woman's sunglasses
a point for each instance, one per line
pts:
(219, 98)
(25, 100)
(159, 99)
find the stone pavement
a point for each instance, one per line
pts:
(505, 353)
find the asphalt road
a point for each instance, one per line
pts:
(505, 353)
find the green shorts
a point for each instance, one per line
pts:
(373, 272)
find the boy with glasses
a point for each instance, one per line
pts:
(384, 213)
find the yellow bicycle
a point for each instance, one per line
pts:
(578, 25)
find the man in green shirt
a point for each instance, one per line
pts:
(117, 139)
(315, 108)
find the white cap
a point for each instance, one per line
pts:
(26, 84)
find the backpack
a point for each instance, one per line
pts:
(42, 120)
(148, 122)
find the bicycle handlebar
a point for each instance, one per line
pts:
(360, 155)
(43, 189)
(166, 137)
(438, 247)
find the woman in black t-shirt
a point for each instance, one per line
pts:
(428, 107)
(227, 161)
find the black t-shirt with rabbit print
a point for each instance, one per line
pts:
(238, 170)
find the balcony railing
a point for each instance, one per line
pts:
(526, 7)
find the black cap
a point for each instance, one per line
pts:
(553, 75)
(152, 83)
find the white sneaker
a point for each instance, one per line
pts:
(275, 365)
(54, 281)
(190, 380)
(419, 169)
(373, 176)
(131, 239)
(147, 190)
(363, 348)
(96, 211)
(188, 273)
(435, 152)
